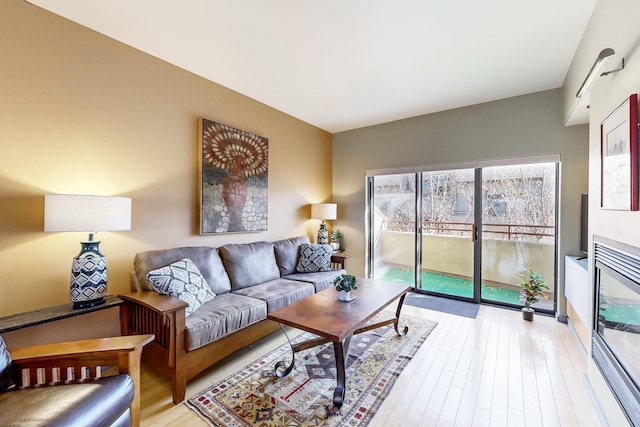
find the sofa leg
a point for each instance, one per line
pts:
(178, 389)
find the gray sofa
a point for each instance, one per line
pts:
(249, 281)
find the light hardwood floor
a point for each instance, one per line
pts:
(495, 370)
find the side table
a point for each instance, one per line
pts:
(11, 325)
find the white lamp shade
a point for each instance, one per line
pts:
(71, 212)
(324, 211)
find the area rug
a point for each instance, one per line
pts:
(446, 305)
(254, 396)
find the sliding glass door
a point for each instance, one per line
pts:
(465, 233)
(392, 210)
(518, 230)
(447, 258)
(423, 235)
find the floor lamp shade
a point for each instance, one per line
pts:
(324, 212)
(90, 214)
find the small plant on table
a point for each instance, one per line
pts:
(344, 284)
(335, 235)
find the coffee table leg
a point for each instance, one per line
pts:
(341, 350)
(404, 331)
(281, 369)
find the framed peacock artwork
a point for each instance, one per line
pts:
(233, 175)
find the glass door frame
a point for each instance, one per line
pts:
(477, 218)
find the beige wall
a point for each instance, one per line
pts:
(82, 113)
(521, 126)
(614, 25)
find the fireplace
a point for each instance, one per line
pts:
(616, 334)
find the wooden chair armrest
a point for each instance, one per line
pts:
(164, 304)
(80, 349)
(60, 362)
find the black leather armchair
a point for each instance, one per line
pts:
(64, 384)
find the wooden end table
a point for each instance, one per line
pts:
(335, 321)
(50, 314)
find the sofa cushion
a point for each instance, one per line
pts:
(278, 293)
(287, 253)
(314, 257)
(182, 280)
(206, 258)
(249, 264)
(99, 402)
(220, 317)
(321, 280)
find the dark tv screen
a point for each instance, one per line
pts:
(584, 224)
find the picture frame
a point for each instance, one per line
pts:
(619, 157)
(233, 172)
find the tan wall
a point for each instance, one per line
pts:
(502, 260)
(521, 126)
(82, 113)
(613, 24)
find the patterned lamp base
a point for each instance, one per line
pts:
(88, 277)
(323, 235)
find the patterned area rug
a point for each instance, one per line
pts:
(254, 396)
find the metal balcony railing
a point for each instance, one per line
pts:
(464, 229)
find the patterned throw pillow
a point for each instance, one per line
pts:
(182, 280)
(313, 258)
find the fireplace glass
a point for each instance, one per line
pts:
(616, 338)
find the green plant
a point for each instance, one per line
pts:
(345, 282)
(335, 235)
(533, 286)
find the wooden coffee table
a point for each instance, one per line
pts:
(335, 321)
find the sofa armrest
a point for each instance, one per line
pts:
(59, 362)
(339, 261)
(163, 304)
(149, 312)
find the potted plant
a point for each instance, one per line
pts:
(344, 284)
(532, 287)
(335, 239)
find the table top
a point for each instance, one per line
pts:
(324, 315)
(49, 314)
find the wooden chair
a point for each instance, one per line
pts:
(59, 363)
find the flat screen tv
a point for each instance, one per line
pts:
(584, 224)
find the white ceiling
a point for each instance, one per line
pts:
(345, 64)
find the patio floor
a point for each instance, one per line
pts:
(450, 285)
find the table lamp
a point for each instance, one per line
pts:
(69, 212)
(324, 211)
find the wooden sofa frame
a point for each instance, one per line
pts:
(147, 312)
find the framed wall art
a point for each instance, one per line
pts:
(233, 174)
(619, 157)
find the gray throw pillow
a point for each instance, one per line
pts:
(182, 280)
(314, 258)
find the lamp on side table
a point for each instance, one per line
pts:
(324, 212)
(70, 212)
